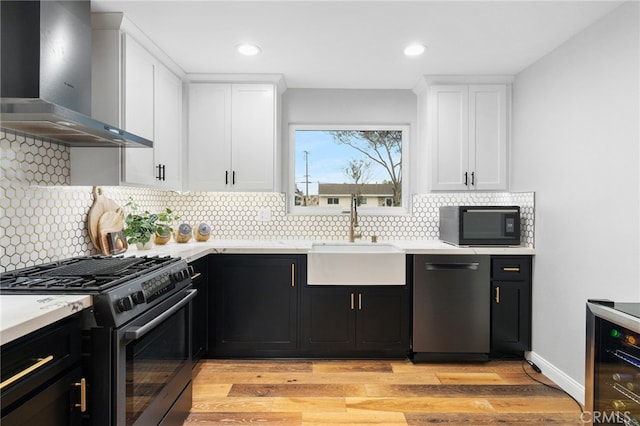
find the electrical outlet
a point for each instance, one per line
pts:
(264, 215)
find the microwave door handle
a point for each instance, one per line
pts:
(134, 333)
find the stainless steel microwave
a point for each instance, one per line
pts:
(480, 225)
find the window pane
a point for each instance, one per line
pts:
(330, 165)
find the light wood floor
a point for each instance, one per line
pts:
(364, 392)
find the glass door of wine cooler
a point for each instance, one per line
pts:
(613, 366)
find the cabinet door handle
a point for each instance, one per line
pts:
(359, 301)
(39, 363)
(497, 297)
(293, 275)
(226, 177)
(233, 178)
(473, 178)
(511, 269)
(352, 302)
(83, 395)
(466, 178)
(159, 175)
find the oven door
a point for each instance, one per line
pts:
(152, 370)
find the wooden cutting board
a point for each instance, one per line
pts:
(110, 221)
(101, 205)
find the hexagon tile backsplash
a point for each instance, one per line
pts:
(42, 218)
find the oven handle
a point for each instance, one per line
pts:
(137, 332)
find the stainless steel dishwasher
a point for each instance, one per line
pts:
(451, 307)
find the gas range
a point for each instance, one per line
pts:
(122, 287)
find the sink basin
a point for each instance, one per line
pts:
(356, 264)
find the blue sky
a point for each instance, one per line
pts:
(327, 160)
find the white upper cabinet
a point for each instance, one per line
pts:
(467, 132)
(152, 109)
(209, 140)
(169, 130)
(139, 72)
(134, 90)
(232, 142)
(488, 136)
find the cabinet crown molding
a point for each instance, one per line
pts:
(276, 79)
(429, 80)
(118, 21)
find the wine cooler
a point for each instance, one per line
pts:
(612, 376)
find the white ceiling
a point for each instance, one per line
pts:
(358, 44)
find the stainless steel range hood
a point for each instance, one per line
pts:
(45, 75)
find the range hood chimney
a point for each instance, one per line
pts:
(45, 73)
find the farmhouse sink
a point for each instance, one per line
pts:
(356, 264)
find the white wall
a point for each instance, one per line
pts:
(575, 143)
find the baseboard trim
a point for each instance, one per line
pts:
(569, 385)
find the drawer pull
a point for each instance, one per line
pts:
(293, 275)
(83, 395)
(20, 375)
(497, 298)
(196, 275)
(511, 269)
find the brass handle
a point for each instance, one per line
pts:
(196, 275)
(497, 295)
(83, 395)
(20, 375)
(352, 301)
(511, 269)
(293, 275)
(360, 301)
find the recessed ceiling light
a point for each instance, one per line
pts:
(415, 49)
(248, 49)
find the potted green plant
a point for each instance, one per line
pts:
(139, 226)
(164, 225)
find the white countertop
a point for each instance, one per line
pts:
(193, 250)
(22, 314)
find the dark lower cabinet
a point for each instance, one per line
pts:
(510, 304)
(355, 321)
(255, 304)
(42, 377)
(199, 309)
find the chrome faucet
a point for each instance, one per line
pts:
(353, 219)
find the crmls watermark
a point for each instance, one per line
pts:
(605, 417)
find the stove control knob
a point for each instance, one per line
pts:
(125, 304)
(138, 298)
(180, 275)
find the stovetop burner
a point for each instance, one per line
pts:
(80, 274)
(122, 288)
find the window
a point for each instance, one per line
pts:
(331, 163)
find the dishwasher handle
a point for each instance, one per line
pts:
(453, 266)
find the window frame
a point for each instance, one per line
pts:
(403, 209)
